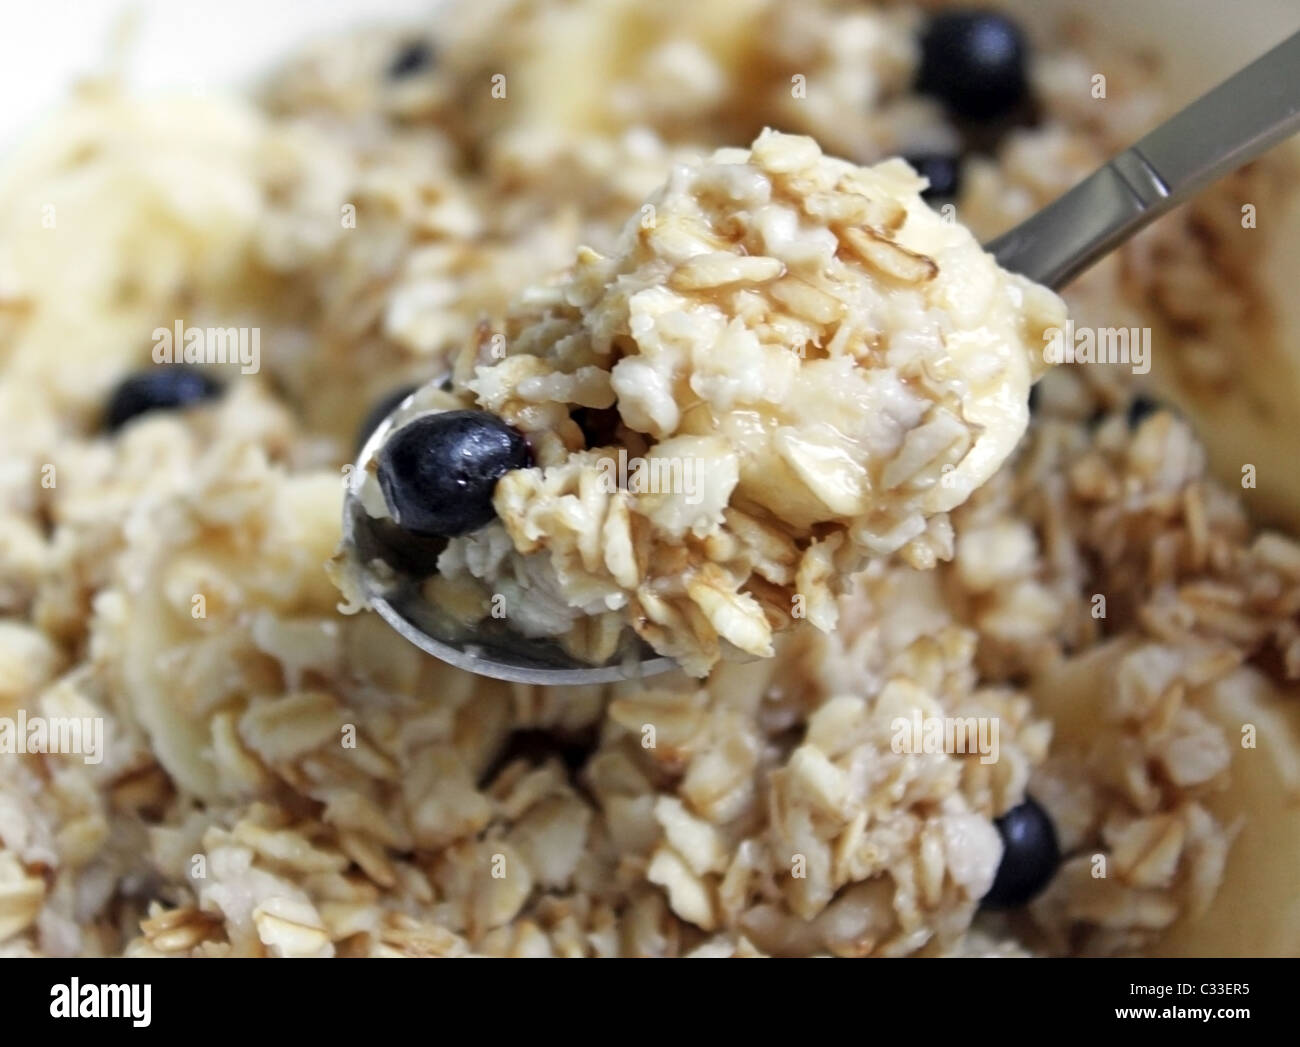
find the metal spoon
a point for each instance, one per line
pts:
(493, 649)
(1224, 129)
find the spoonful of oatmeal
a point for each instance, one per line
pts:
(789, 366)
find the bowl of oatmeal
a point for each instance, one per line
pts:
(1041, 699)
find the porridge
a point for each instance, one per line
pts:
(278, 778)
(805, 365)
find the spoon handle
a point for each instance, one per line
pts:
(1219, 132)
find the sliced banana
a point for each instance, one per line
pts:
(1256, 911)
(177, 675)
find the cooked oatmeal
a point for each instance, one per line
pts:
(282, 779)
(808, 366)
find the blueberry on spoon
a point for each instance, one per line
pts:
(438, 472)
(1030, 856)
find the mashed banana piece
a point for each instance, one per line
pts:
(807, 368)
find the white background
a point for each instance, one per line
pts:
(45, 44)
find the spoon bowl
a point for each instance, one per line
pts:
(393, 568)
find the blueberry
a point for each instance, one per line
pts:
(414, 57)
(162, 388)
(383, 407)
(944, 172)
(439, 471)
(1140, 408)
(974, 62)
(1030, 855)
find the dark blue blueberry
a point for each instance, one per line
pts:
(414, 57)
(1030, 856)
(161, 388)
(974, 62)
(439, 471)
(1140, 408)
(384, 406)
(944, 172)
